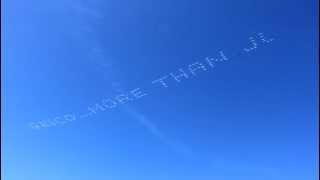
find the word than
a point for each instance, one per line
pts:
(191, 70)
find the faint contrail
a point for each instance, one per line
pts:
(155, 131)
(99, 53)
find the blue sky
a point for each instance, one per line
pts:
(252, 117)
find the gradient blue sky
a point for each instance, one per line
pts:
(251, 118)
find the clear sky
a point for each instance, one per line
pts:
(82, 101)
